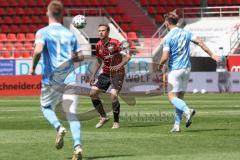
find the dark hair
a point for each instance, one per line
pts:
(171, 17)
(105, 25)
(55, 9)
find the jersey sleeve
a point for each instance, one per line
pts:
(192, 37)
(40, 37)
(166, 44)
(75, 45)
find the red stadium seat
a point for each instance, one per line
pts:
(14, 29)
(144, 2)
(13, 3)
(153, 2)
(159, 18)
(30, 3)
(36, 20)
(9, 46)
(23, 28)
(44, 19)
(41, 26)
(6, 54)
(30, 37)
(20, 11)
(33, 28)
(17, 20)
(11, 37)
(26, 20)
(38, 11)
(10, 11)
(40, 3)
(26, 54)
(7, 20)
(151, 10)
(21, 37)
(4, 3)
(28, 46)
(4, 28)
(2, 12)
(17, 54)
(22, 3)
(3, 37)
(67, 3)
(28, 11)
(2, 48)
(19, 46)
(125, 27)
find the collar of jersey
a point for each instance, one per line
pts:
(55, 24)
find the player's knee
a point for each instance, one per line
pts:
(92, 95)
(114, 97)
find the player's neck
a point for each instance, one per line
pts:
(172, 27)
(105, 40)
(51, 20)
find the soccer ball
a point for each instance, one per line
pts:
(79, 21)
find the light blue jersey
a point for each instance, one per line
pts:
(177, 44)
(59, 45)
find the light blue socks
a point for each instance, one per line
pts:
(76, 133)
(180, 104)
(50, 115)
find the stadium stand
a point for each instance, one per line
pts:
(20, 19)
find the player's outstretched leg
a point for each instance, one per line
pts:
(59, 143)
(50, 115)
(189, 117)
(182, 106)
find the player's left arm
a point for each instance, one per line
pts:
(198, 41)
(126, 57)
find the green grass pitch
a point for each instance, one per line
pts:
(144, 132)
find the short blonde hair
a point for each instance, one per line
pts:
(55, 9)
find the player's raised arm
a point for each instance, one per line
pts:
(198, 41)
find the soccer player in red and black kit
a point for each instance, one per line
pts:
(108, 52)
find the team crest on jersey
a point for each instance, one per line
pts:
(111, 48)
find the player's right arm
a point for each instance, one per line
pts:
(39, 45)
(77, 55)
(97, 65)
(198, 41)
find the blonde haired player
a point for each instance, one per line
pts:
(57, 45)
(176, 50)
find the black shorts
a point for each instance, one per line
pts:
(104, 81)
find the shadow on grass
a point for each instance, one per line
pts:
(108, 156)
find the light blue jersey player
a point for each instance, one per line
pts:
(176, 50)
(59, 49)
